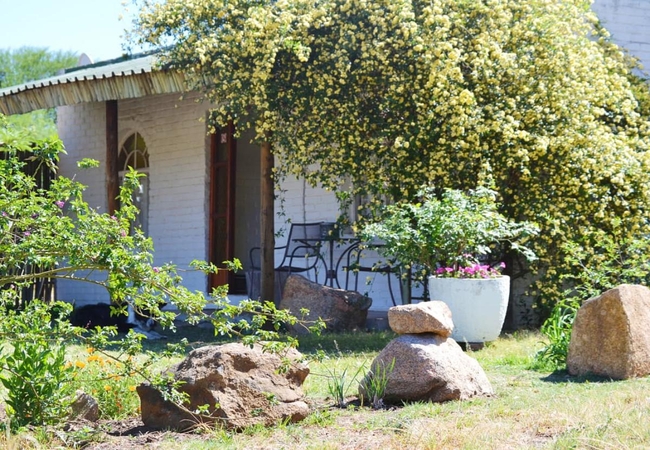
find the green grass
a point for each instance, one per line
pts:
(530, 410)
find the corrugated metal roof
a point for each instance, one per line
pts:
(122, 78)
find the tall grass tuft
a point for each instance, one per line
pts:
(338, 385)
(375, 382)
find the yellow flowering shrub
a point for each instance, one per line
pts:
(388, 95)
(103, 378)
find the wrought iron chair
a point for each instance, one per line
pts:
(351, 263)
(301, 254)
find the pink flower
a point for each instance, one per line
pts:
(156, 269)
(60, 203)
(470, 271)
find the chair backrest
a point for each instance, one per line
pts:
(303, 240)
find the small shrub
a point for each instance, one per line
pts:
(449, 228)
(33, 368)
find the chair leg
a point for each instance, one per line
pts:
(253, 284)
(390, 288)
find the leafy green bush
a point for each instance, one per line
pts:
(452, 228)
(603, 259)
(33, 366)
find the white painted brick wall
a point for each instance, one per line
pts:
(75, 124)
(176, 141)
(628, 21)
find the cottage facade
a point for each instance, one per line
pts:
(159, 128)
(179, 187)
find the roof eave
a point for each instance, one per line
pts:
(53, 94)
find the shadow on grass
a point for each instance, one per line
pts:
(346, 343)
(562, 376)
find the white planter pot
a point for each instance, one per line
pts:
(478, 305)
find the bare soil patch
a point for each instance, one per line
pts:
(125, 434)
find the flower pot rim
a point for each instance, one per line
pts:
(468, 279)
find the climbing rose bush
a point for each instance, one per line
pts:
(377, 98)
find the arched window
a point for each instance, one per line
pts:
(134, 154)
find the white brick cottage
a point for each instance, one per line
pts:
(179, 185)
(160, 131)
(183, 174)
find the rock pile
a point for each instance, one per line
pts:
(428, 364)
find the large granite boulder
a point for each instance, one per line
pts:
(427, 367)
(611, 334)
(242, 386)
(425, 317)
(340, 309)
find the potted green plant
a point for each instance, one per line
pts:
(444, 236)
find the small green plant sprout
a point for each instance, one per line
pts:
(272, 398)
(338, 384)
(557, 328)
(373, 386)
(204, 409)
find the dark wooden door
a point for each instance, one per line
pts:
(222, 203)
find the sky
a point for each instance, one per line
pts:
(82, 26)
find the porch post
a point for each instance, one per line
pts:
(267, 232)
(112, 171)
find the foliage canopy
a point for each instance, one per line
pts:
(382, 97)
